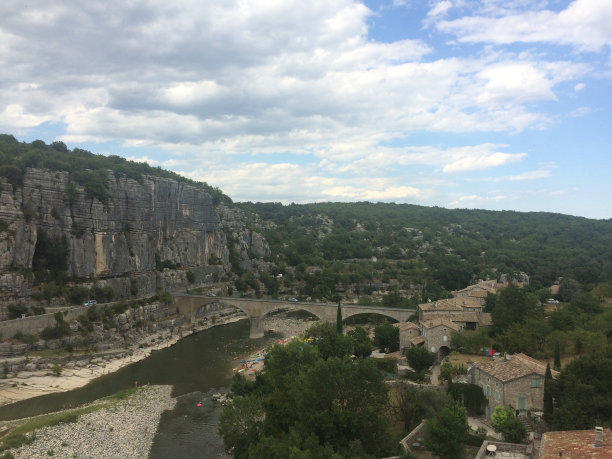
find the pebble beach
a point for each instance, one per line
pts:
(124, 429)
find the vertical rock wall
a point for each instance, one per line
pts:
(117, 242)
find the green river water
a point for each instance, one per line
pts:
(196, 366)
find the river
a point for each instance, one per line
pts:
(196, 366)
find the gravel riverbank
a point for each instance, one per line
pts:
(124, 429)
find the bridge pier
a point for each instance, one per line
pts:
(257, 330)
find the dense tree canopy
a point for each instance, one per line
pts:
(583, 392)
(445, 435)
(309, 406)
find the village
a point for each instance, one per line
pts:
(510, 381)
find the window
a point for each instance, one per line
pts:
(488, 390)
(536, 382)
(497, 396)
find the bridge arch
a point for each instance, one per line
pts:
(257, 309)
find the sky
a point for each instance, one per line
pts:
(491, 104)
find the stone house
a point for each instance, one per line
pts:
(516, 381)
(465, 312)
(479, 290)
(407, 331)
(437, 334)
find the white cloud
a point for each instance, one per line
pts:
(529, 175)
(440, 8)
(474, 200)
(302, 91)
(584, 24)
(143, 159)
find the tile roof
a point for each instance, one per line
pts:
(487, 286)
(439, 322)
(417, 340)
(485, 319)
(451, 304)
(453, 317)
(519, 365)
(403, 326)
(575, 444)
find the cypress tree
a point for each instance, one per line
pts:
(557, 358)
(548, 397)
(339, 319)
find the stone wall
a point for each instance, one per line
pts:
(33, 325)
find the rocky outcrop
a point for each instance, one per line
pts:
(251, 246)
(149, 234)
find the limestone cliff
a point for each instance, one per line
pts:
(148, 234)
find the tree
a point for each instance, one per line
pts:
(362, 345)
(470, 396)
(415, 403)
(504, 420)
(240, 424)
(419, 358)
(386, 337)
(583, 392)
(339, 319)
(513, 304)
(548, 397)
(445, 435)
(303, 406)
(557, 357)
(586, 302)
(330, 344)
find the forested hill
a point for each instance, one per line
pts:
(85, 168)
(456, 245)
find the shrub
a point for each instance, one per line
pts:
(387, 365)
(16, 310)
(470, 396)
(419, 358)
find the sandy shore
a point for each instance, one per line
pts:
(28, 384)
(124, 429)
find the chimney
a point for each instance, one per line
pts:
(598, 437)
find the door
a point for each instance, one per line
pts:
(521, 403)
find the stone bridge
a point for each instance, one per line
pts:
(257, 309)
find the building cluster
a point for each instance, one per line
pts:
(514, 380)
(437, 319)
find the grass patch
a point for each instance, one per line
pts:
(23, 433)
(122, 395)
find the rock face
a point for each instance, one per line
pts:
(146, 235)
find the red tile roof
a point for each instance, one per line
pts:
(575, 444)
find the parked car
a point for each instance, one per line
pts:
(292, 300)
(552, 301)
(90, 303)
